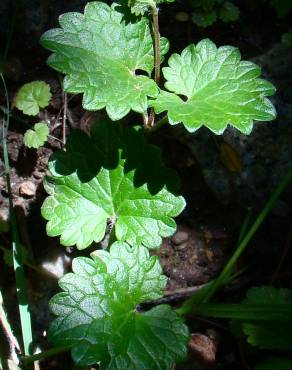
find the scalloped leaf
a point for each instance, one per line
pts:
(217, 89)
(36, 137)
(98, 316)
(85, 194)
(33, 96)
(271, 334)
(101, 55)
(139, 7)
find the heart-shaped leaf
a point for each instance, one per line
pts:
(98, 316)
(218, 89)
(101, 179)
(101, 55)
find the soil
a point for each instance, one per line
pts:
(221, 178)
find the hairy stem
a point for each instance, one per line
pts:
(156, 35)
(156, 41)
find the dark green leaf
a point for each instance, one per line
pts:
(98, 316)
(118, 185)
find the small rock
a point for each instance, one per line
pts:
(180, 237)
(38, 175)
(181, 246)
(27, 189)
(203, 351)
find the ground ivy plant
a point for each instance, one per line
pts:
(111, 184)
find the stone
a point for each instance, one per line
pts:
(27, 189)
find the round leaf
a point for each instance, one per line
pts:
(33, 96)
(36, 137)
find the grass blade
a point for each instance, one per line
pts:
(21, 283)
(247, 312)
(245, 240)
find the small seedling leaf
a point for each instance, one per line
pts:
(36, 137)
(33, 96)
(116, 186)
(98, 316)
(101, 55)
(211, 86)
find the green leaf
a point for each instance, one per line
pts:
(4, 226)
(268, 295)
(283, 7)
(139, 7)
(85, 194)
(287, 38)
(229, 12)
(204, 19)
(33, 96)
(275, 363)
(271, 334)
(99, 318)
(218, 89)
(8, 257)
(101, 55)
(36, 137)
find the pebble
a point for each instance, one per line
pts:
(181, 246)
(180, 237)
(27, 189)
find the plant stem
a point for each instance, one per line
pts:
(112, 236)
(20, 279)
(245, 225)
(45, 354)
(55, 138)
(64, 117)
(156, 40)
(156, 34)
(241, 247)
(13, 343)
(159, 124)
